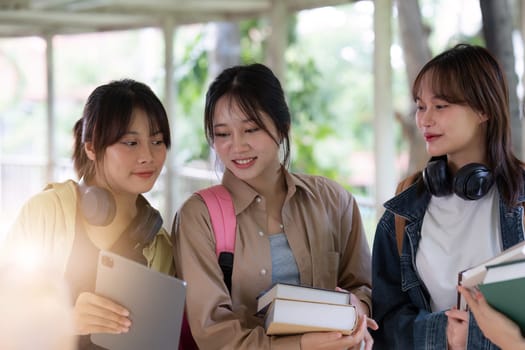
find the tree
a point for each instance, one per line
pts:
(497, 30)
(226, 51)
(416, 52)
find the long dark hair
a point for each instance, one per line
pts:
(255, 89)
(107, 115)
(470, 75)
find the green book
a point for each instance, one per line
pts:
(504, 289)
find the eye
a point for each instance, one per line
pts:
(220, 134)
(441, 106)
(129, 143)
(420, 108)
(254, 129)
(157, 142)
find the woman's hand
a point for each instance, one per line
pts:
(457, 329)
(363, 310)
(336, 340)
(96, 314)
(498, 328)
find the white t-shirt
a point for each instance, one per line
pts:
(456, 234)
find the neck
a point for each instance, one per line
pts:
(126, 204)
(126, 211)
(455, 163)
(475, 152)
(271, 184)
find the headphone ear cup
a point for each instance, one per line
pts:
(437, 179)
(473, 181)
(97, 205)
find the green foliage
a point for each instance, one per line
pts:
(253, 34)
(191, 78)
(192, 73)
(310, 114)
(316, 149)
(327, 125)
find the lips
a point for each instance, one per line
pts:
(430, 137)
(144, 174)
(244, 162)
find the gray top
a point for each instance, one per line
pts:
(284, 267)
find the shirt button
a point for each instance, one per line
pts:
(258, 199)
(261, 233)
(262, 272)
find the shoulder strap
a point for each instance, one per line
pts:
(223, 221)
(400, 221)
(220, 206)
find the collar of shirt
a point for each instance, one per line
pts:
(243, 194)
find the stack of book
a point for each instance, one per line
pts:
(295, 309)
(501, 280)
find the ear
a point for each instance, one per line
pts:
(90, 152)
(482, 117)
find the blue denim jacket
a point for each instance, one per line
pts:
(401, 302)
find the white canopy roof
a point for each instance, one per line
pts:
(44, 17)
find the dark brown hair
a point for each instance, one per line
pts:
(470, 75)
(106, 118)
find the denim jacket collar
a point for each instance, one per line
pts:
(411, 203)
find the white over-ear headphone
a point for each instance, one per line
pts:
(97, 204)
(99, 209)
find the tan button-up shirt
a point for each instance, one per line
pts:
(324, 229)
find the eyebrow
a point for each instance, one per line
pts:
(131, 132)
(224, 124)
(434, 97)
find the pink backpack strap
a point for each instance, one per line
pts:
(223, 221)
(222, 214)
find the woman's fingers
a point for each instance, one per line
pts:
(372, 324)
(96, 314)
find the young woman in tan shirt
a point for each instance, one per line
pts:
(309, 222)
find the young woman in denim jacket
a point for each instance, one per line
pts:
(463, 208)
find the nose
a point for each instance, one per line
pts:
(145, 153)
(239, 142)
(425, 118)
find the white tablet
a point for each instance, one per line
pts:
(155, 301)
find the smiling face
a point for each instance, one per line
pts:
(133, 163)
(451, 129)
(244, 148)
